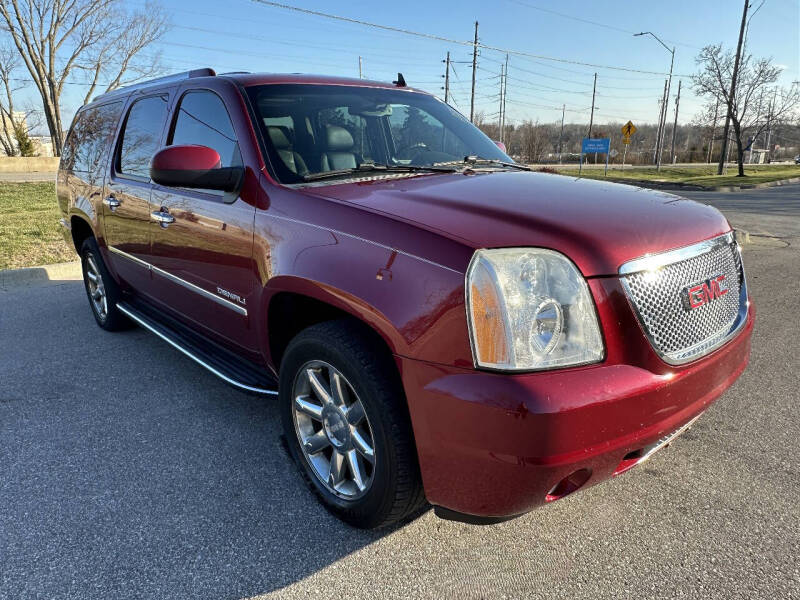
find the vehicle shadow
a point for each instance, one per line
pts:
(126, 468)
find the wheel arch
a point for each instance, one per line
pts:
(294, 304)
(81, 229)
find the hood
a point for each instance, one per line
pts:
(598, 225)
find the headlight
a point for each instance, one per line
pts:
(530, 309)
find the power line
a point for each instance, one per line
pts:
(440, 38)
(587, 21)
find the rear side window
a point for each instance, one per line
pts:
(203, 120)
(141, 138)
(86, 149)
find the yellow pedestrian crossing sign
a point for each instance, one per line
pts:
(628, 130)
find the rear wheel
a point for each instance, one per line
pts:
(101, 289)
(347, 425)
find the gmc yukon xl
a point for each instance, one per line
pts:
(437, 323)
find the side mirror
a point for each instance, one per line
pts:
(501, 145)
(194, 167)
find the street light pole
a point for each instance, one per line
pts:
(660, 140)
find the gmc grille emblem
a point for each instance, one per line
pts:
(702, 293)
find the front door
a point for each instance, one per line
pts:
(127, 208)
(203, 257)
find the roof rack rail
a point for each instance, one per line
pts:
(206, 72)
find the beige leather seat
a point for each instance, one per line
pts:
(280, 137)
(338, 150)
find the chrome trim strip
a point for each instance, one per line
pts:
(666, 440)
(131, 257)
(198, 290)
(650, 262)
(131, 315)
(656, 261)
(189, 286)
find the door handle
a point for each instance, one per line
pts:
(162, 218)
(111, 202)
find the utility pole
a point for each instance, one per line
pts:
(447, 78)
(474, 68)
(662, 104)
(732, 95)
(561, 135)
(675, 126)
(360, 71)
(591, 118)
(502, 102)
(713, 132)
(505, 93)
(665, 106)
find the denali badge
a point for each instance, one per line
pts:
(705, 292)
(231, 296)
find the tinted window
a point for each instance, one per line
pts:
(351, 125)
(204, 121)
(356, 125)
(87, 145)
(142, 136)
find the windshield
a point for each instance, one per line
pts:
(314, 129)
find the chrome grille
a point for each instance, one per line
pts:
(655, 286)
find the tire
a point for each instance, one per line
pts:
(341, 351)
(101, 289)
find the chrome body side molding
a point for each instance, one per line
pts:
(182, 282)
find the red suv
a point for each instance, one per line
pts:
(436, 322)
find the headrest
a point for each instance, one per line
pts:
(339, 139)
(279, 136)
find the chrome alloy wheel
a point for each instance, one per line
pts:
(333, 430)
(97, 291)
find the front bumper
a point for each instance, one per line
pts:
(495, 445)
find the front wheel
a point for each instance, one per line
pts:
(347, 425)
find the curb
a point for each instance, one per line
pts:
(68, 271)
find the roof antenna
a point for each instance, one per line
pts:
(401, 82)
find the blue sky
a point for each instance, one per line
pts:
(246, 35)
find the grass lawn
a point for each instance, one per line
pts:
(29, 231)
(702, 176)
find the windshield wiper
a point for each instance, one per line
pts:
(479, 161)
(369, 166)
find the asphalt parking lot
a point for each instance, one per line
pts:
(126, 471)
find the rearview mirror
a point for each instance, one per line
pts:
(190, 166)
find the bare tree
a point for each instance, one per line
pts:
(534, 141)
(95, 39)
(713, 81)
(9, 62)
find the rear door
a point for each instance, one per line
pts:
(203, 260)
(127, 204)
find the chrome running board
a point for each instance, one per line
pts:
(221, 363)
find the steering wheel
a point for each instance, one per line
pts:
(412, 151)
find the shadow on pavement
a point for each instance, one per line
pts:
(127, 470)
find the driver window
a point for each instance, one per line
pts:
(203, 120)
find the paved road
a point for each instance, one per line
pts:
(126, 471)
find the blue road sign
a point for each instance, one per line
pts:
(595, 145)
